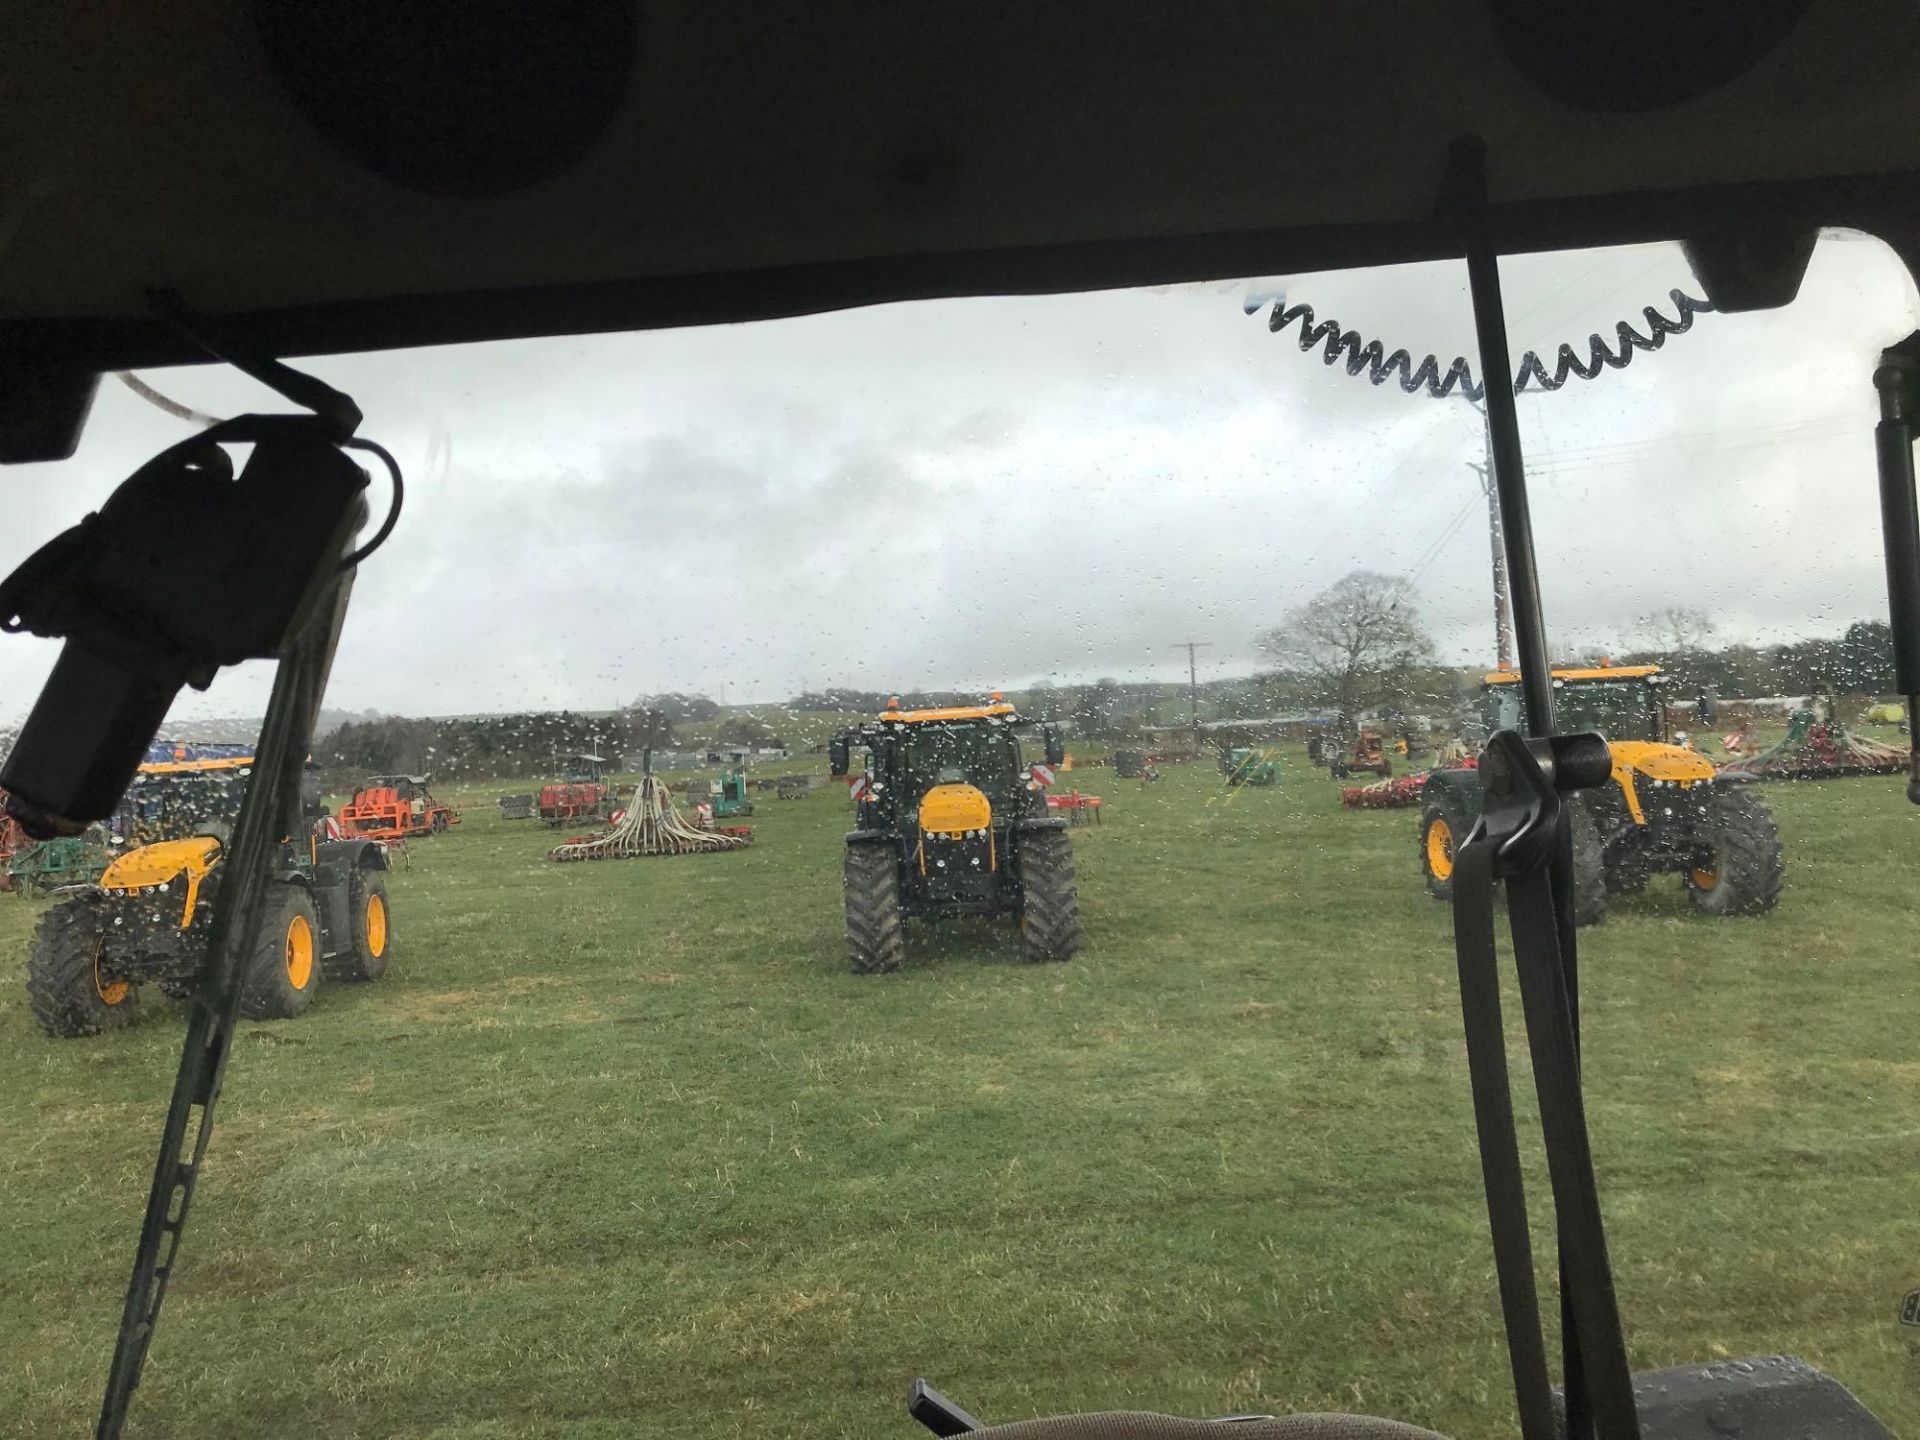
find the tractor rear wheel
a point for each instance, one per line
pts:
(1589, 866)
(1441, 833)
(285, 968)
(876, 930)
(65, 989)
(372, 928)
(1741, 872)
(1050, 905)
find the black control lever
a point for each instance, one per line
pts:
(1523, 780)
(939, 1414)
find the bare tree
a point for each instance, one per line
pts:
(1675, 629)
(1355, 641)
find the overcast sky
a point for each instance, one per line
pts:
(993, 491)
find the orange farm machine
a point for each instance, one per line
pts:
(585, 794)
(395, 807)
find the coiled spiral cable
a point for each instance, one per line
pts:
(1371, 357)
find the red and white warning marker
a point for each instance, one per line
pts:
(1041, 775)
(858, 786)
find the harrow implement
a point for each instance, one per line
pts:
(1396, 794)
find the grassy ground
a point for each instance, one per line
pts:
(620, 1149)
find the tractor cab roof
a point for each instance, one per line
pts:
(1575, 676)
(948, 714)
(398, 779)
(196, 767)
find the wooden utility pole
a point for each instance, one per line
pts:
(1502, 597)
(1193, 685)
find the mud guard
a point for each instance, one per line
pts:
(334, 864)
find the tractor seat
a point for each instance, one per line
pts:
(1140, 1425)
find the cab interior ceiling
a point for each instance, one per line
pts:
(306, 178)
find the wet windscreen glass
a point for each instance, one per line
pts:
(693, 1089)
(1620, 710)
(985, 756)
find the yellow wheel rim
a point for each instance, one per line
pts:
(1704, 878)
(299, 952)
(1440, 850)
(111, 992)
(376, 926)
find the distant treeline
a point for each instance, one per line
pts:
(873, 701)
(494, 747)
(480, 748)
(1857, 662)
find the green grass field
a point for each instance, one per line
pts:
(620, 1149)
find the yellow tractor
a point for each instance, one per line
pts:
(950, 820)
(1666, 810)
(146, 920)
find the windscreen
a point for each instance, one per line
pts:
(983, 756)
(692, 1099)
(1618, 709)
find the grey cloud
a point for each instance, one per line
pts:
(986, 491)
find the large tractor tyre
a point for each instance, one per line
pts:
(65, 989)
(1050, 903)
(371, 921)
(1629, 866)
(1589, 867)
(1743, 872)
(285, 968)
(1441, 834)
(876, 930)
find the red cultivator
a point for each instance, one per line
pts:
(1396, 794)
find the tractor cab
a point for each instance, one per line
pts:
(1621, 702)
(941, 753)
(180, 799)
(950, 820)
(587, 769)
